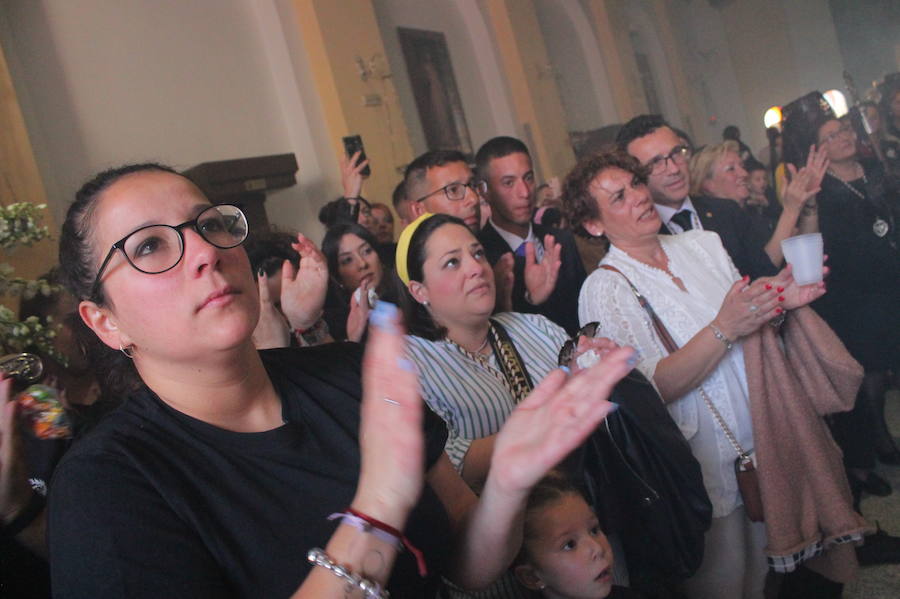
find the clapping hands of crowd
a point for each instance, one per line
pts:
(540, 277)
(747, 306)
(805, 183)
(797, 296)
(554, 419)
(303, 292)
(358, 320)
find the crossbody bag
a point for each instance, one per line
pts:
(744, 468)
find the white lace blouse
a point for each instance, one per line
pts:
(700, 261)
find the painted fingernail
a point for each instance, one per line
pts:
(566, 369)
(633, 360)
(780, 289)
(768, 286)
(613, 406)
(746, 277)
(383, 315)
(778, 310)
(780, 298)
(406, 364)
(261, 272)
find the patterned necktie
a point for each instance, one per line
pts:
(683, 219)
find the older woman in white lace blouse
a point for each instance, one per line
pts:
(706, 306)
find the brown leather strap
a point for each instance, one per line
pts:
(672, 347)
(658, 325)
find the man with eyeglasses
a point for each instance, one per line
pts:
(547, 269)
(655, 144)
(441, 182)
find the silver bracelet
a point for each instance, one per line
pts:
(370, 590)
(721, 336)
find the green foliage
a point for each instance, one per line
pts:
(20, 226)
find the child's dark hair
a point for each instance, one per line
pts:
(553, 487)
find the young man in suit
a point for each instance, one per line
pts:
(653, 142)
(547, 271)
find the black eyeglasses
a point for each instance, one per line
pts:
(678, 155)
(457, 191)
(567, 352)
(154, 249)
(844, 130)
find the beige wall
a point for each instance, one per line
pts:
(479, 80)
(751, 54)
(103, 82)
(111, 82)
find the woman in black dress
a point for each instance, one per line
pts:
(859, 212)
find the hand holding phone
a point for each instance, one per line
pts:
(352, 145)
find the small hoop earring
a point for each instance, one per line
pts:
(128, 351)
(426, 303)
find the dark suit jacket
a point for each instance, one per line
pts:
(562, 305)
(742, 239)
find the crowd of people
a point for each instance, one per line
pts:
(605, 385)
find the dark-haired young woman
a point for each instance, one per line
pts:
(217, 477)
(356, 276)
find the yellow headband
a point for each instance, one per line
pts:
(402, 254)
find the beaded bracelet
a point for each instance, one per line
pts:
(370, 590)
(721, 336)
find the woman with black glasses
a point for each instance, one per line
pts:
(227, 466)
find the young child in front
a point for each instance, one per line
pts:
(564, 553)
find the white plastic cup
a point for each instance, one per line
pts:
(805, 254)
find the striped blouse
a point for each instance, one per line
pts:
(473, 400)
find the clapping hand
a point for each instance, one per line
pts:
(391, 440)
(272, 329)
(540, 278)
(555, 419)
(797, 296)
(303, 289)
(747, 306)
(358, 319)
(807, 182)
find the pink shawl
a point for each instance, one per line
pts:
(806, 497)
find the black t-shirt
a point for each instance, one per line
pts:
(154, 503)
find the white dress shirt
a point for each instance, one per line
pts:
(514, 241)
(700, 261)
(667, 212)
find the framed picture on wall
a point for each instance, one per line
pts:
(434, 88)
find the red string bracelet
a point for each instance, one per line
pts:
(420, 557)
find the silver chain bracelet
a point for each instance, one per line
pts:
(370, 590)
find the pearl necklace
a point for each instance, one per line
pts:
(846, 184)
